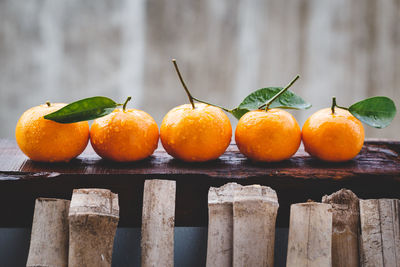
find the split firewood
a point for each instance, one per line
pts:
(158, 220)
(93, 219)
(345, 228)
(49, 237)
(220, 225)
(254, 216)
(310, 235)
(380, 232)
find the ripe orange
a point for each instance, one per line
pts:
(49, 141)
(333, 137)
(269, 136)
(124, 135)
(199, 134)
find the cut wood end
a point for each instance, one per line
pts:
(368, 201)
(105, 193)
(343, 196)
(346, 209)
(389, 199)
(346, 212)
(45, 199)
(222, 194)
(157, 181)
(94, 200)
(310, 204)
(374, 202)
(255, 192)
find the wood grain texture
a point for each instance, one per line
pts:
(345, 228)
(49, 236)
(376, 159)
(158, 222)
(295, 180)
(93, 219)
(310, 235)
(220, 225)
(254, 216)
(380, 232)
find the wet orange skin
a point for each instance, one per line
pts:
(268, 136)
(48, 141)
(333, 137)
(195, 135)
(124, 136)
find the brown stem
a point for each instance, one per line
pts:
(333, 104)
(183, 83)
(204, 102)
(126, 102)
(269, 102)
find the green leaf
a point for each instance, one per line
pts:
(376, 111)
(253, 101)
(83, 110)
(238, 113)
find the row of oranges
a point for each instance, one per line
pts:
(191, 134)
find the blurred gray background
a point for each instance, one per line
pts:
(63, 51)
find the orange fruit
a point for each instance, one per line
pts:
(268, 136)
(333, 137)
(197, 135)
(124, 135)
(49, 141)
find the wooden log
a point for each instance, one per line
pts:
(49, 236)
(93, 218)
(345, 228)
(254, 215)
(380, 232)
(220, 225)
(310, 235)
(158, 220)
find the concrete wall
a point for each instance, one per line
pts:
(62, 51)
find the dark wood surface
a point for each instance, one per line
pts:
(374, 173)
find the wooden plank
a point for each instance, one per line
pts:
(380, 232)
(345, 228)
(220, 225)
(22, 181)
(49, 236)
(93, 218)
(158, 221)
(310, 235)
(254, 215)
(376, 159)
